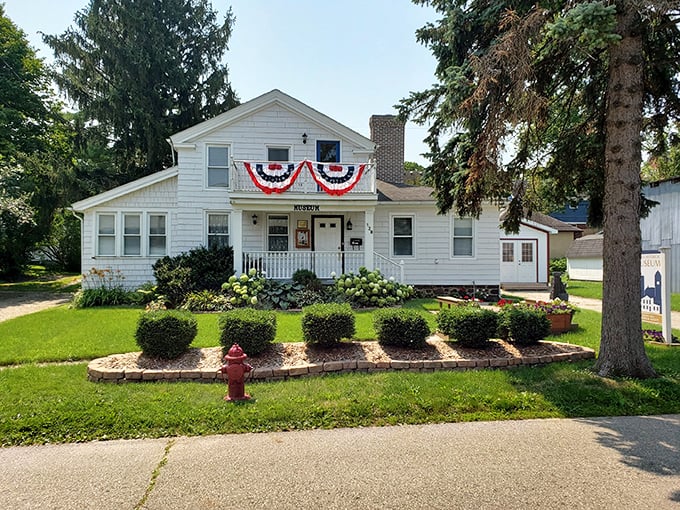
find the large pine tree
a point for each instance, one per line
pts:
(544, 101)
(144, 69)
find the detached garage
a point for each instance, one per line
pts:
(584, 258)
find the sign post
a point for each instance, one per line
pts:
(655, 292)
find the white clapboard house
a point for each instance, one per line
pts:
(289, 188)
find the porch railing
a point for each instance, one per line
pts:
(280, 265)
(240, 181)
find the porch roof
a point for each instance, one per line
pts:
(394, 192)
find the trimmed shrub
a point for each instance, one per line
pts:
(523, 324)
(254, 330)
(166, 333)
(397, 326)
(198, 269)
(470, 326)
(371, 289)
(327, 323)
(307, 279)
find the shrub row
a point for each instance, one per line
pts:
(473, 326)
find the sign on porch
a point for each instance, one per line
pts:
(655, 290)
(306, 207)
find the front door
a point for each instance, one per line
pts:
(327, 245)
(518, 261)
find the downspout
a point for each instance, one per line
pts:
(172, 150)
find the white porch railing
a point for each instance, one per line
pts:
(240, 181)
(280, 265)
(389, 268)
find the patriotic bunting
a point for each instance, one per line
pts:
(335, 178)
(273, 177)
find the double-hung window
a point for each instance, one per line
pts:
(218, 230)
(402, 236)
(157, 235)
(278, 154)
(218, 166)
(463, 237)
(132, 234)
(277, 233)
(106, 234)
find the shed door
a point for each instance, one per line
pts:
(518, 261)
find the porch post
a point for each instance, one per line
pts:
(236, 237)
(368, 240)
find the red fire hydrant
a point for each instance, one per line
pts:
(236, 370)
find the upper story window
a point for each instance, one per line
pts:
(328, 151)
(402, 236)
(278, 154)
(277, 233)
(218, 166)
(106, 234)
(463, 237)
(218, 230)
(132, 234)
(157, 234)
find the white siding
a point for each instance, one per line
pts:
(528, 233)
(662, 226)
(433, 263)
(585, 269)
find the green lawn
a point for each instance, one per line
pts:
(594, 290)
(56, 403)
(41, 279)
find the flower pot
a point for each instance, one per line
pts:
(559, 322)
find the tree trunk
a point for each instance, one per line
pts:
(622, 350)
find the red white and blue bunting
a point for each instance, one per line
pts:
(336, 178)
(273, 177)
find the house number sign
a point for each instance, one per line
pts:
(303, 207)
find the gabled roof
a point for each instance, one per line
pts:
(570, 214)
(586, 247)
(393, 192)
(125, 189)
(190, 135)
(554, 223)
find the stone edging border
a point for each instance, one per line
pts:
(98, 373)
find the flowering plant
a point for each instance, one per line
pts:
(652, 335)
(555, 307)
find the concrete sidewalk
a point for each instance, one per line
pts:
(585, 303)
(603, 463)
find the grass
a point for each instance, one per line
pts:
(593, 290)
(55, 403)
(41, 279)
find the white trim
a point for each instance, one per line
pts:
(539, 226)
(275, 96)
(414, 244)
(125, 189)
(452, 221)
(119, 233)
(206, 226)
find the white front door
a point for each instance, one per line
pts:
(327, 246)
(518, 261)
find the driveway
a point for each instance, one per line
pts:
(15, 304)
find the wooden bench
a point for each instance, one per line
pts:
(448, 301)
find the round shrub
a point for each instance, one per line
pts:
(165, 333)
(470, 326)
(254, 330)
(327, 323)
(396, 326)
(371, 289)
(524, 325)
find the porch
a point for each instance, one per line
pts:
(281, 265)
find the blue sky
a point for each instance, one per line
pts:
(348, 59)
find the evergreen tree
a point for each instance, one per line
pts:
(142, 70)
(539, 98)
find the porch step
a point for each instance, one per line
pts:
(525, 286)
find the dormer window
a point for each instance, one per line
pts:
(218, 167)
(278, 154)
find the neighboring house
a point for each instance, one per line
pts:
(289, 188)
(662, 226)
(576, 215)
(525, 256)
(584, 258)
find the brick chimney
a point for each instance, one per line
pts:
(388, 133)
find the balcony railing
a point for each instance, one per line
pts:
(280, 265)
(240, 181)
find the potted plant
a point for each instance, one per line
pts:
(559, 314)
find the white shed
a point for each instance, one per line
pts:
(584, 258)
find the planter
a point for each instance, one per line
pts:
(559, 322)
